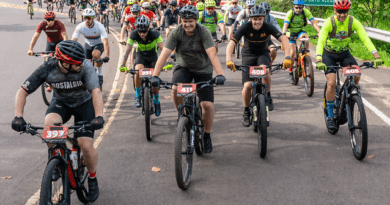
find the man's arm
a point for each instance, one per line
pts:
(64, 35)
(106, 47)
(314, 23)
(225, 16)
(126, 55)
(212, 53)
(165, 53)
(97, 100)
(161, 45)
(123, 31)
(229, 50)
(20, 102)
(33, 42)
(222, 26)
(284, 40)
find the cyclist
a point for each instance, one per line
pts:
(195, 61)
(112, 4)
(130, 21)
(72, 5)
(49, 2)
(102, 5)
(333, 46)
(30, 3)
(83, 5)
(231, 14)
(200, 6)
(163, 5)
(96, 40)
(127, 11)
(255, 53)
(210, 18)
(243, 16)
(147, 40)
(77, 92)
(271, 20)
(296, 20)
(181, 3)
(192, 2)
(155, 8)
(150, 14)
(170, 17)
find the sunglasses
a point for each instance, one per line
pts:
(210, 8)
(298, 7)
(51, 19)
(146, 8)
(234, 3)
(342, 11)
(88, 18)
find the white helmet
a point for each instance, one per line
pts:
(88, 12)
(250, 3)
(152, 1)
(146, 4)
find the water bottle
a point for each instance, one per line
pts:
(73, 158)
(254, 113)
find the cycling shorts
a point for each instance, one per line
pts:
(296, 35)
(51, 46)
(147, 61)
(49, 1)
(71, 2)
(182, 75)
(89, 49)
(264, 59)
(230, 21)
(102, 8)
(344, 58)
(83, 112)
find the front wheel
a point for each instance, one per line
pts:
(53, 182)
(262, 125)
(82, 191)
(183, 159)
(107, 23)
(358, 132)
(146, 104)
(309, 79)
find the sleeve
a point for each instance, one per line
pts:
(275, 23)
(76, 33)
(273, 31)
(207, 39)
(240, 32)
(36, 79)
(102, 30)
(322, 36)
(358, 27)
(61, 26)
(288, 17)
(159, 40)
(90, 77)
(40, 27)
(166, 12)
(219, 18)
(131, 40)
(308, 14)
(172, 39)
(240, 15)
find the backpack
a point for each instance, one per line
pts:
(334, 27)
(214, 15)
(293, 15)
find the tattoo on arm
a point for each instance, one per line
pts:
(126, 55)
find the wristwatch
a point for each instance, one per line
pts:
(288, 57)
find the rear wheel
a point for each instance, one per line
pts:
(146, 104)
(358, 133)
(52, 191)
(309, 79)
(262, 125)
(46, 95)
(325, 106)
(183, 159)
(107, 23)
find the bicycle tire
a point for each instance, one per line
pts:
(74, 16)
(262, 125)
(44, 96)
(308, 66)
(325, 106)
(238, 49)
(146, 105)
(359, 149)
(47, 183)
(183, 180)
(70, 13)
(40, 3)
(199, 149)
(107, 24)
(82, 194)
(62, 6)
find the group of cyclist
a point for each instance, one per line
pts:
(194, 42)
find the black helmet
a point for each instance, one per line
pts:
(189, 12)
(135, 8)
(172, 3)
(142, 24)
(257, 11)
(266, 6)
(71, 52)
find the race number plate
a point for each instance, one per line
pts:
(146, 73)
(257, 71)
(55, 134)
(186, 89)
(303, 39)
(352, 71)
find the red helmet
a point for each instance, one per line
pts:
(49, 15)
(342, 4)
(70, 52)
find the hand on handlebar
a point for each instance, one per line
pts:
(155, 80)
(224, 38)
(18, 124)
(220, 80)
(321, 66)
(378, 62)
(106, 59)
(287, 63)
(123, 69)
(30, 52)
(231, 66)
(97, 123)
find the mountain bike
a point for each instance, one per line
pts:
(349, 107)
(106, 21)
(47, 92)
(115, 13)
(259, 113)
(72, 14)
(60, 6)
(93, 64)
(66, 170)
(237, 49)
(49, 6)
(39, 3)
(30, 9)
(190, 130)
(304, 66)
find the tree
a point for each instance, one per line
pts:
(371, 12)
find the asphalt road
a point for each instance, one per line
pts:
(304, 163)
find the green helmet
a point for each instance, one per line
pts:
(210, 3)
(130, 2)
(200, 6)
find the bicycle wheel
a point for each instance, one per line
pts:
(52, 191)
(262, 125)
(199, 133)
(74, 16)
(325, 106)
(309, 79)
(146, 104)
(70, 14)
(82, 191)
(107, 24)
(183, 160)
(47, 95)
(358, 133)
(238, 50)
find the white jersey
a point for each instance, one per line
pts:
(243, 16)
(233, 12)
(93, 36)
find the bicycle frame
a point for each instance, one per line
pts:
(190, 106)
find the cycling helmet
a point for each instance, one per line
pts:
(189, 12)
(172, 3)
(200, 6)
(89, 12)
(210, 3)
(257, 11)
(142, 24)
(151, 1)
(299, 2)
(145, 5)
(250, 3)
(71, 52)
(49, 15)
(135, 8)
(266, 6)
(130, 2)
(342, 4)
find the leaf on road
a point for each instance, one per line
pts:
(9, 177)
(115, 99)
(118, 35)
(167, 97)
(117, 90)
(233, 141)
(371, 156)
(156, 169)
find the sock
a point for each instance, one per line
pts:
(246, 108)
(138, 92)
(92, 175)
(156, 99)
(290, 70)
(100, 70)
(206, 135)
(330, 108)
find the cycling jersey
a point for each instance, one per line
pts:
(255, 42)
(298, 22)
(243, 16)
(233, 12)
(130, 21)
(127, 11)
(72, 88)
(209, 21)
(94, 35)
(341, 41)
(154, 8)
(182, 3)
(171, 18)
(53, 32)
(271, 20)
(151, 16)
(146, 47)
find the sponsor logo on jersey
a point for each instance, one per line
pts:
(67, 84)
(251, 34)
(262, 35)
(51, 30)
(26, 84)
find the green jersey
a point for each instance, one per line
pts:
(209, 21)
(297, 24)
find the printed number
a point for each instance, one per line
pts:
(146, 72)
(186, 90)
(349, 71)
(54, 134)
(257, 72)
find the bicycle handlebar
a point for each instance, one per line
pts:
(42, 54)
(168, 85)
(97, 60)
(80, 126)
(364, 65)
(240, 67)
